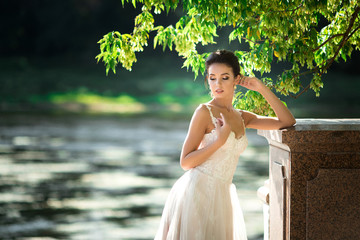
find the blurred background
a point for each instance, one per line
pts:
(89, 156)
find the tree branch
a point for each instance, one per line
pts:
(288, 10)
(307, 87)
(327, 40)
(350, 35)
(299, 94)
(256, 43)
(346, 37)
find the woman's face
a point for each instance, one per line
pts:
(221, 80)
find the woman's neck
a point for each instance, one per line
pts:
(223, 103)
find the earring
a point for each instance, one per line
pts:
(211, 95)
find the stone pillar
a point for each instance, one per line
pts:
(314, 173)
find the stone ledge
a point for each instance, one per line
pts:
(312, 165)
(317, 135)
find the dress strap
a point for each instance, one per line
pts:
(240, 111)
(213, 119)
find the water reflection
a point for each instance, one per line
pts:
(86, 177)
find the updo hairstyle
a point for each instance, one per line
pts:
(226, 57)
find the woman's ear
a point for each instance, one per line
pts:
(237, 79)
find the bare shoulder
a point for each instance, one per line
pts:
(201, 118)
(201, 111)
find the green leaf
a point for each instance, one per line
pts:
(288, 30)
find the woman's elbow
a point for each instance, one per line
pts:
(185, 168)
(184, 165)
(288, 124)
(292, 122)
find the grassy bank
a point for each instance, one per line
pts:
(84, 101)
(30, 85)
(61, 87)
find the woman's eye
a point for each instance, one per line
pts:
(212, 79)
(225, 78)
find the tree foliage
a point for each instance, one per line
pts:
(275, 30)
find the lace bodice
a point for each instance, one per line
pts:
(222, 164)
(203, 203)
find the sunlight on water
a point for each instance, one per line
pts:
(118, 180)
(115, 153)
(77, 177)
(23, 140)
(15, 197)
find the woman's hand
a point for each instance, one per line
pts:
(251, 83)
(222, 129)
(283, 119)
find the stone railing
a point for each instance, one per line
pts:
(313, 190)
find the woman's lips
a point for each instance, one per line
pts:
(219, 91)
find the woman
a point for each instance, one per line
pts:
(203, 203)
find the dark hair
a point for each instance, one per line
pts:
(225, 57)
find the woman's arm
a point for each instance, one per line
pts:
(284, 117)
(191, 156)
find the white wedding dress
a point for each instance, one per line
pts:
(203, 203)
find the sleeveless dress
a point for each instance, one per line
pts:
(203, 203)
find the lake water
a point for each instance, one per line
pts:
(102, 177)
